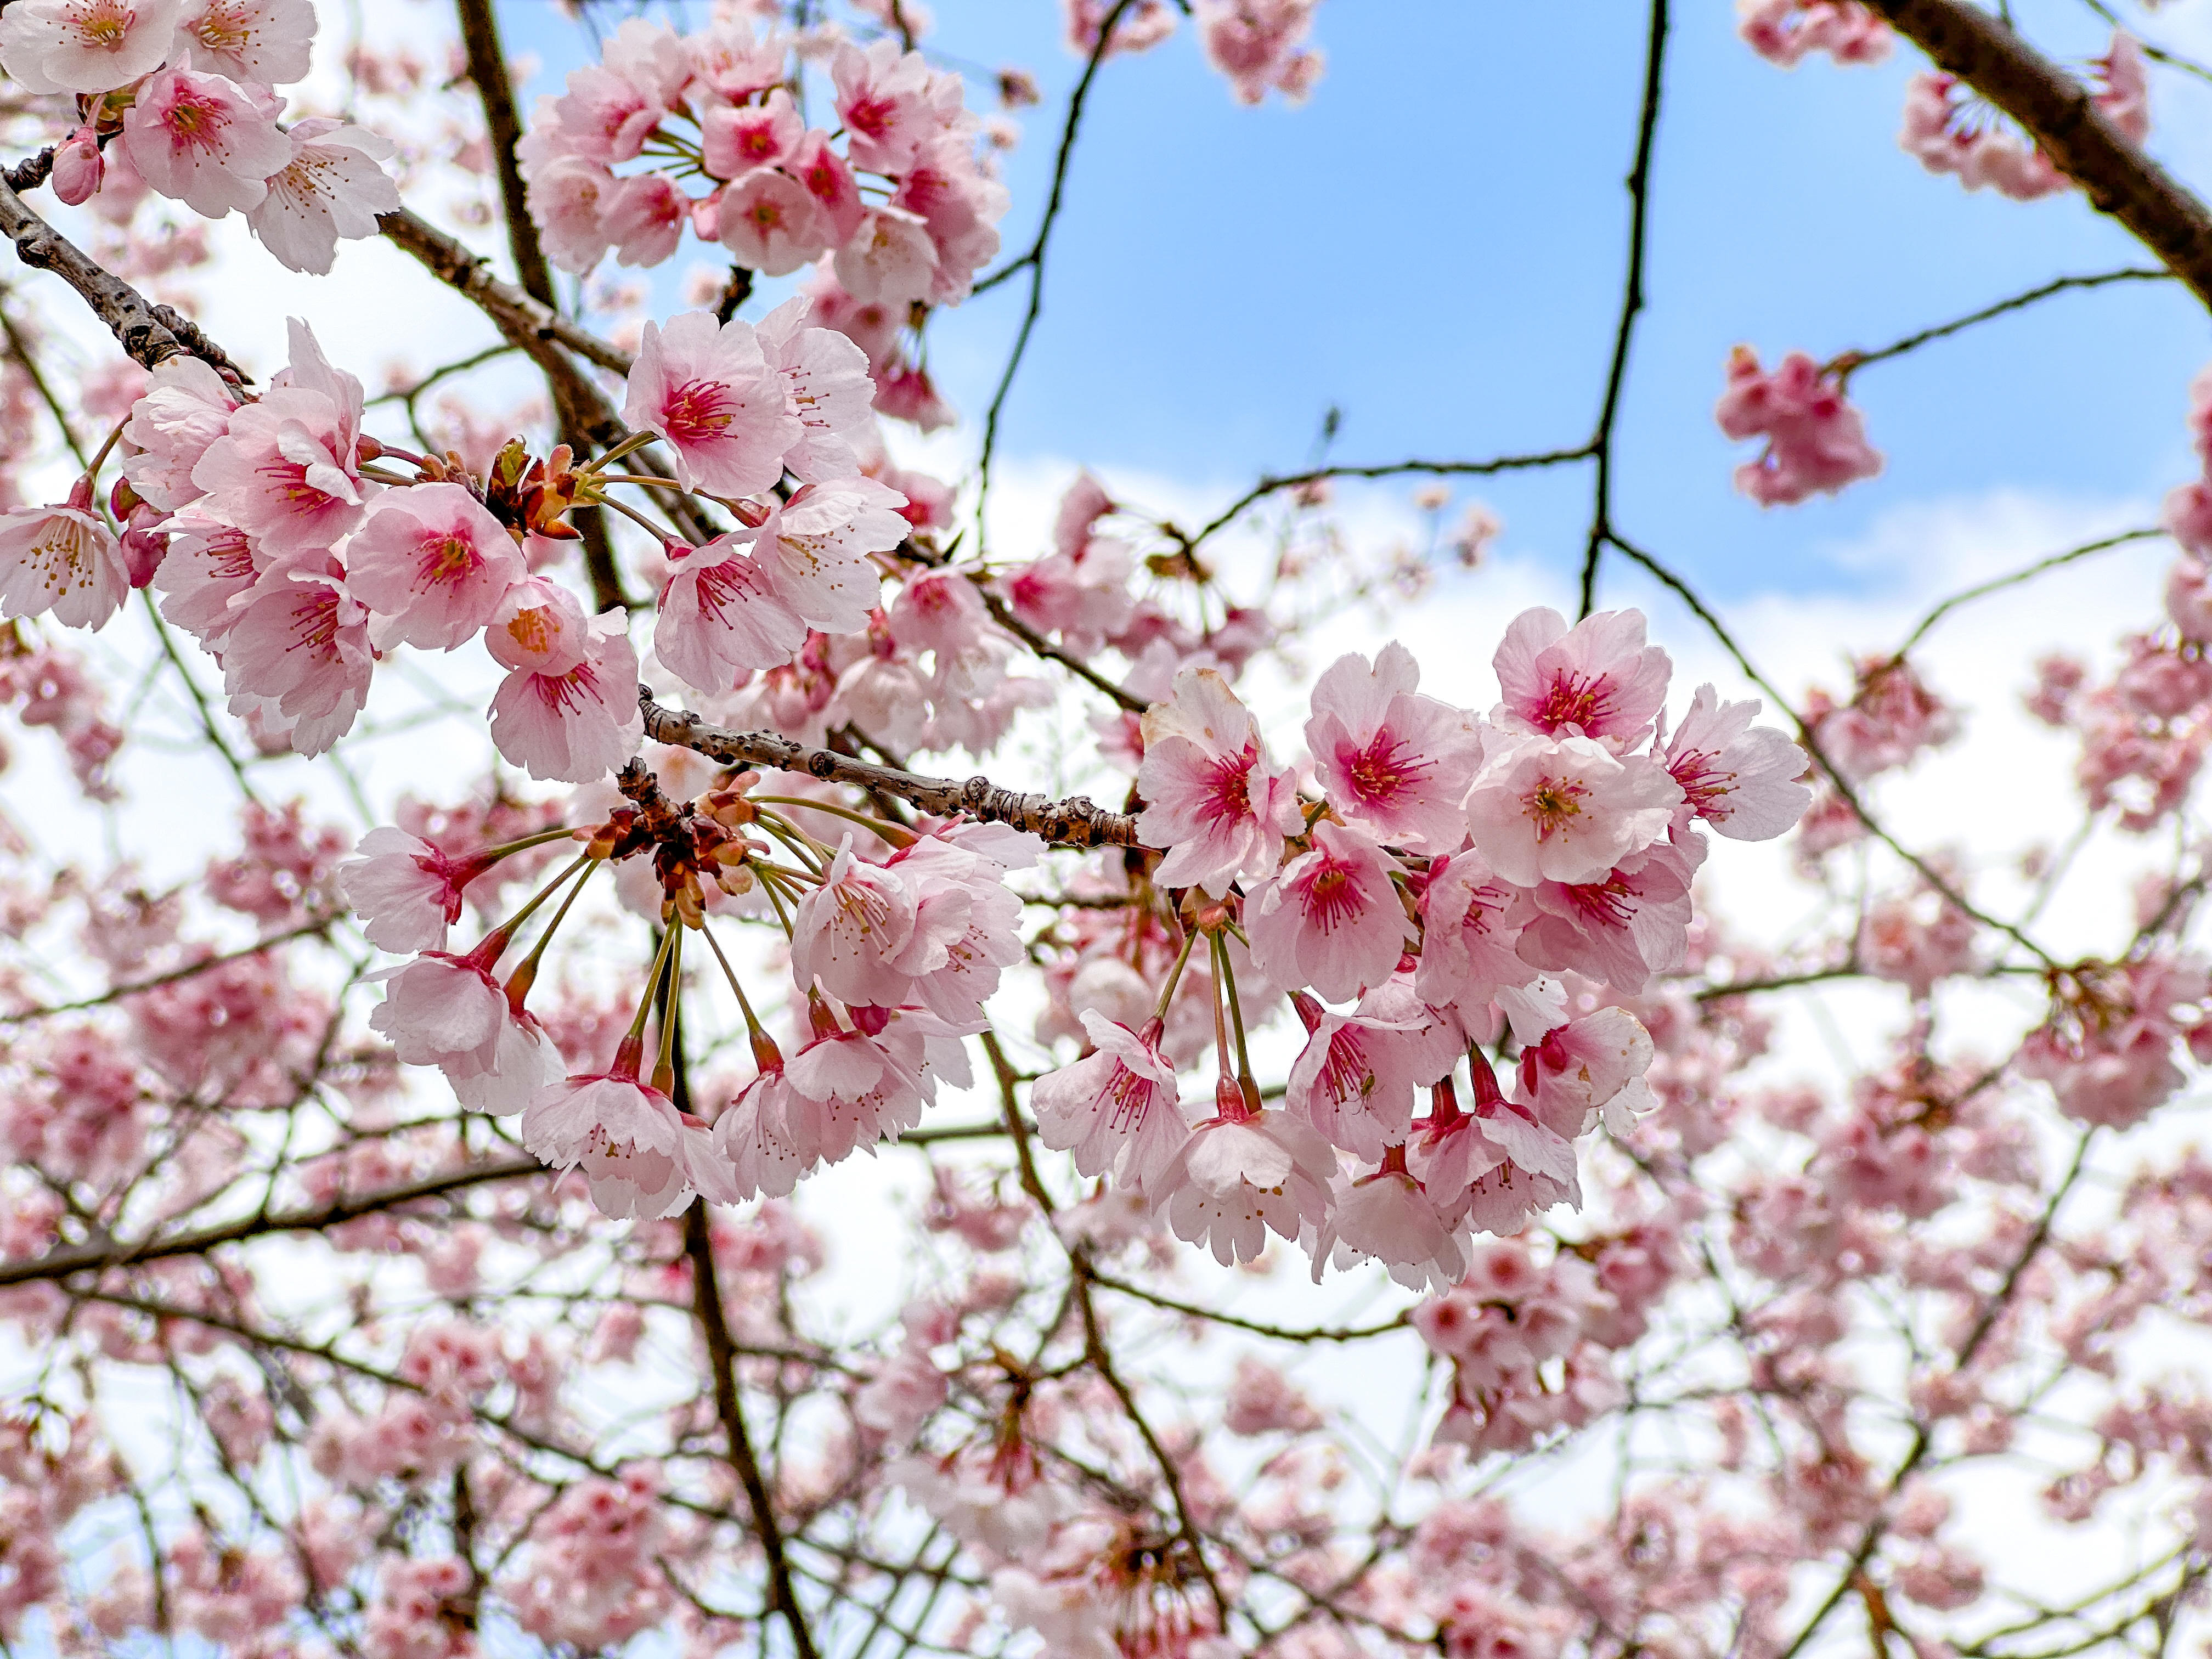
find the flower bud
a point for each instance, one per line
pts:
(78, 167)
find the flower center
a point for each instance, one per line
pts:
(1551, 804)
(699, 411)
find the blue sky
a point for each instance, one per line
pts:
(1434, 244)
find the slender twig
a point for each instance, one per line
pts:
(1631, 301)
(1269, 486)
(1997, 584)
(1848, 364)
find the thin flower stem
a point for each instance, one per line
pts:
(652, 984)
(529, 963)
(1174, 976)
(744, 1006)
(794, 838)
(1244, 1078)
(512, 925)
(896, 835)
(507, 848)
(655, 530)
(629, 445)
(664, 1064)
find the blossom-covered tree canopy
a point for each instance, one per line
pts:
(1346, 1183)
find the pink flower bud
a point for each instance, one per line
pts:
(78, 167)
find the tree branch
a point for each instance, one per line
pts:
(150, 333)
(84, 1258)
(2058, 111)
(1075, 821)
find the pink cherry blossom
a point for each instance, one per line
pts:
(1213, 798)
(644, 219)
(287, 471)
(1115, 1109)
(1387, 1216)
(1815, 442)
(815, 548)
(889, 257)
(208, 565)
(269, 41)
(85, 45)
(538, 625)
(570, 200)
(1470, 923)
(825, 378)
(706, 388)
(628, 1140)
(60, 559)
(185, 407)
(1332, 918)
(405, 890)
(299, 650)
(78, 169)
(577, 724)
(771, 224)
(1629, 923)
(1355, 1080)
(1241, 1175)
(433, 565)
(333, 188)
(734, 139)
(205, 141)
(1784, 31)
(1589, 1068)
(1597, 679)
(1740, 778)
(441, 1010)
(1566, 809)
(1393, 762)
(722, 616)
(1257, 44)
(883, 97)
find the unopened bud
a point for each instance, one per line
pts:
(78, 167)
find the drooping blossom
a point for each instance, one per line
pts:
(1587, 1070)
(287, 471)
(1260, 43)
(1387, 1216)
(1470, 923)
(1213, 798)
(1784, 31)
(1815, 441)
(406, 891)
(630, 1141)
(432, 564)
(1566, 809)
(63, 559)
(815, 548)
(1332, 918)
(706, 387)
(1622, 925)
(205, 141)
(825, 379)
(1393, 762)
(299, 653)
(1114, 1108)
(185, 407)
(85, 45)
(1355, 1080)
(1597, 679)
(1241, 1175)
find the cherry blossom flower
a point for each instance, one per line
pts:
(1566, 809)
(706, 388)
(299, 650)
(1354, 1081)
(1597, 679)
(577, 724)
(406, 891)
(1393, 763)
(1629, 923)
(628, 1140)
(207, 567)
(270, 41)
(883, 96)
(538, 625)
(184, 408)
(1386, 1217)
(85, 45)
(78, 169)
(1784, 31)
(1333, 918)
(1589, 1069)
(1470, 922)
(443, 1011)
(890, 258)
(1740, 778)
(1114, 1108)
(1257, 44)
(770, 223)
(570, 199)
(644, 219)
(826, 378)
(333, 187)
(847, 1089)
(205, 141)
(1815, 442)
(433, 565)
(734, 139)
(721, 616)
(1211, 797)
(815, 545)
(1241, 1175)
(287, 471)
(61, 559)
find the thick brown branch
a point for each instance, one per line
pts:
(151, 333)
(1076, 822)
(84, 1258)
(714, 1327)
(2058, 113)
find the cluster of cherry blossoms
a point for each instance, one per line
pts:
(187, 88)
(900, 218)
(1815, 442)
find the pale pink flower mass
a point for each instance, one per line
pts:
(707, 389)
(1213, 798)
(1395, 763)
(85, 45)
(205, 141)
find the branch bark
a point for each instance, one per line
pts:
(1075, 821)
(150, 333)
(2058, 111)
(85, 1258)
